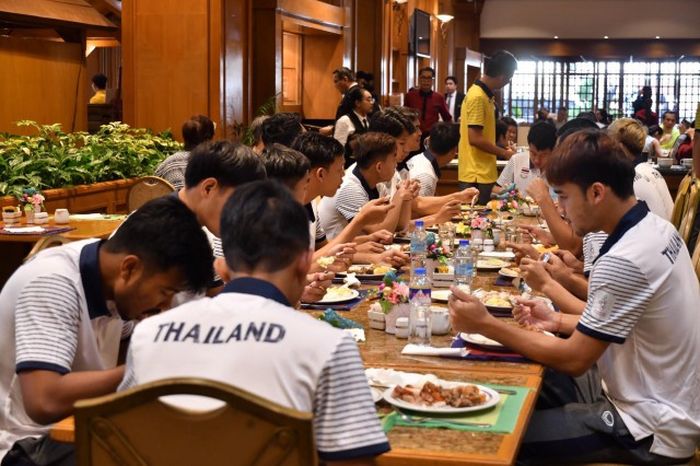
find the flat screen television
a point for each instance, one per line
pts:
(420, 34)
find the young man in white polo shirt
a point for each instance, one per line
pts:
(524, 167)
(249, 335)
(640, 327)
(63, 313)
(376, 163)
(442, 148)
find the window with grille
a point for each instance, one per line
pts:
(584, 86)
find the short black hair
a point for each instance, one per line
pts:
(281, 128)
(672, 113)
(408, 116)
(655, 130)
(501, 129)
(285, 165)
(501, 63)
(444, 137)
(100, 81)
(256, 127)
(574, 125)
(354, 95)
(591, 156)
(509, 121)
(451, 78)
(364, 75)
(370, 147)
(388, 123)
(319, 149)
(542, 135)
(230, 163)
(263, 227)
(427, 68)
(165, 234)
(196, 130)
(344, 72)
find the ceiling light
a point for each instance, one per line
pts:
(445, 18)
(605, 37)
(658, 37)
(556, 37)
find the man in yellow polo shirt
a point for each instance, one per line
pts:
(477, 145)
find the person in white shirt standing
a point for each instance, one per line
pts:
(250, 336)
(524, 167)
(453, 97)
(354, 121)
(640, 327)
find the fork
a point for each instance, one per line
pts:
(424, 420)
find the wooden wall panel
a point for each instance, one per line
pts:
(43, 81)
(322, 55)
(172, 62)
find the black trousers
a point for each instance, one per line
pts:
(40, 451)
(484, 190)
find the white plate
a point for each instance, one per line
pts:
(492, 399)
(441, 296)
(362, 276)
(485, 342)
(508, 273)
(377, 393)
(507, 255)
(333, 299)
(484, 265)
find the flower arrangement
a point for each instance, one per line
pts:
(31, 200)
(510, 200)
(392, 291)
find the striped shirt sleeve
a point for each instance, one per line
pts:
(592, 242)
(47, 318)
(346, 425)
(129, 379)
(618, 295)
(508, 174)
(350, 199)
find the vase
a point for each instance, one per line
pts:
(30, 216)
(37, 208)
(397, 310)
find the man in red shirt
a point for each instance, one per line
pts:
(430, 104)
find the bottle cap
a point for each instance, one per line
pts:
(419, 223)
(463, 243)
(419, 271)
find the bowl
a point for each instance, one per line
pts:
(665, 162)
(439, 320)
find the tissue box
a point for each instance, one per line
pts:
(11, 217)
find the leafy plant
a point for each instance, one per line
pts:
(54, 159)
(242, 133)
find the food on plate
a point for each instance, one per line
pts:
(495, 298)
(325, 261)
(491, 262)
(338, 292)
(462, 228)
(541, 248)
(497, 301)
(430, 394)
(512, 272)
(369, 269)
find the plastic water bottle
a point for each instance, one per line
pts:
(464, 264)
(419, 246)
(419, 326)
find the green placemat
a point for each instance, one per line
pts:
(502, 418)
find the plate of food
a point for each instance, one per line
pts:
(499, 301)
(443, 397)
(481, 341)
(491, 263)
(367, 271)
(441, 296)
(509, 272)
(338, 294)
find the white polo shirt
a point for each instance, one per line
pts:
(425, 169)
(592, 242)
(650, 187)
(315, 229)
(520, 171)
(54, 317)
(249, 336)
(336, 212)
(643, 298)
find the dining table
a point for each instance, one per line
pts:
(423, 445)
(15, 247)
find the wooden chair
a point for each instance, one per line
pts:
(134, 427)
(46, 242)
(696, 267)
(679, 205)
(685, 227)
(146, 189)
